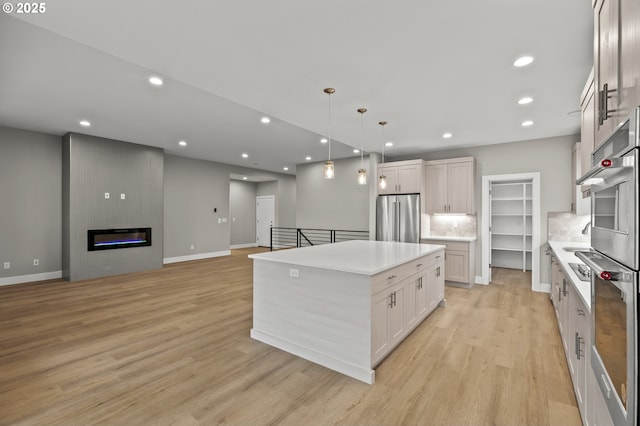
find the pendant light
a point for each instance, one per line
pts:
(329, 171)
(382, 180)
(362, 173)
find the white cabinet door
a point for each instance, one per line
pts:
(408, 179)
(436, 188)
(397, 325)
(391, 174)
(380, 325)
(435, 285)
(457, 266)
(606, 67)
(412, 295)
(460, 188)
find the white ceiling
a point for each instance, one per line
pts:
(427, 67)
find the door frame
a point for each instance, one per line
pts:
(258, 199)
(535, 225)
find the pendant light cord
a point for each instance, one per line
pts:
(329, 127)
(362, 139)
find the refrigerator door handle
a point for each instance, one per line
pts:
(398, 217)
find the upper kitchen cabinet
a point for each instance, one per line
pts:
(449, 186)
(587, 126)
(606, 66)
(402, 177)
(616, 63)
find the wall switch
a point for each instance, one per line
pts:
(36, 262)
(224, 220)
(106, 195)
(234, 219)
(192, 247)
(7, 265)
(219, 220)
(295, 273)
(122, 196)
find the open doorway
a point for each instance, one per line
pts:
(511, 225)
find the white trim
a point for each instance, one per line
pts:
(199, 256)
(19, 279)
(543, 288)
(479, 280)
(247, 245)
(366, 375)
(535, 222)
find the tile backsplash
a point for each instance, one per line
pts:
(450, 225)
(567, 227)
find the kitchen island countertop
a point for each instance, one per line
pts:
(356, 257)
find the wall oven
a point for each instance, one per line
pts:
(614, 268)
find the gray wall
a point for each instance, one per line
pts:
(338, 203)
(93, 166)
(551, 157)
(31, 205)
(242, 209)
(193, 189)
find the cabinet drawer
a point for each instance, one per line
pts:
(389, 278)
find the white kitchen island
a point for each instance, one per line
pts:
(345, 305)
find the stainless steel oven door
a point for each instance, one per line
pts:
(614, 295)
(614, 210)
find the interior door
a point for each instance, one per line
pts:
(265, 219)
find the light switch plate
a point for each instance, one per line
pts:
(106, 195)
(122, 196)
(295, 273)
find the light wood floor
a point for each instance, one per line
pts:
(172, 346)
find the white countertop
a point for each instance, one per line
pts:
(564, 257)
(435, 237)
(357, 257)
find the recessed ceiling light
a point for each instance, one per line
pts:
(244, 178)
(356, 151)
(447, 135)
(523, 61)
(245, 155)
(265, 120)
(156, 81)
(182, 143)
(527, 123)
(85, 123)
(525, 100)
(388, 143)
(323, 140)
(307, 158)
(285, 168)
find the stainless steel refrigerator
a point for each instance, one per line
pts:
(398, 218)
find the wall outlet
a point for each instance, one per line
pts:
(219, 220)
(295, 273)
(122, 197)
(192, 247)
(106, 195)
(36, 262)
(7, 265)
(224, 220)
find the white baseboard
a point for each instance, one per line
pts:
(479, 280)
(542, 288)
(240, 246)
(199, 256)
(360, 373)
(30, 278)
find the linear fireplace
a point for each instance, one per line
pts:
(108, 239)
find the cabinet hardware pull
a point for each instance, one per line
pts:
(600, 107)
(606, 111)
(559, 294)
(580, 312)
(394, 298)
(564, 287)
(392, 277)
(418, 265)
(391, 300)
